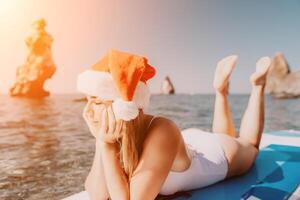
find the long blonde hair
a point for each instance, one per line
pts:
(131, 143)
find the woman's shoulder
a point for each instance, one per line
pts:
(160, 146)
(163, 129)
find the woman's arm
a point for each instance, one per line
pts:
(116, 179)
(95, 183)
(160, 149)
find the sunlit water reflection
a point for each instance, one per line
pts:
(46, 149)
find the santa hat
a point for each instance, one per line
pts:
(120, 77)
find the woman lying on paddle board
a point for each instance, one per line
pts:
(139, 156)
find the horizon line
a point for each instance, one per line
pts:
(154, 93)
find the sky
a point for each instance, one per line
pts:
(181, 38)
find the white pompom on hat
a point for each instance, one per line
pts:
(120, 77)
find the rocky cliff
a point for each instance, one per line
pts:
(38, 67)
(281, 82)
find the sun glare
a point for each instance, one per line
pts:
(7, 6)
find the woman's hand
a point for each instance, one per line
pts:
(101, 121)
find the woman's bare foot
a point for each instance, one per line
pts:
(222, 73)
(260, 75)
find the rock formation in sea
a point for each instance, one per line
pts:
(39, 65)
(167, 87)
(281, 82)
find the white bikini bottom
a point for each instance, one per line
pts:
(209, 164)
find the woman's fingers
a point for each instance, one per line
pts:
(107, 133)
(104, 122)
(87, 110)
(98, 109)
(119, 124)
(87, 106)
(111, 120)
(123, 129)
